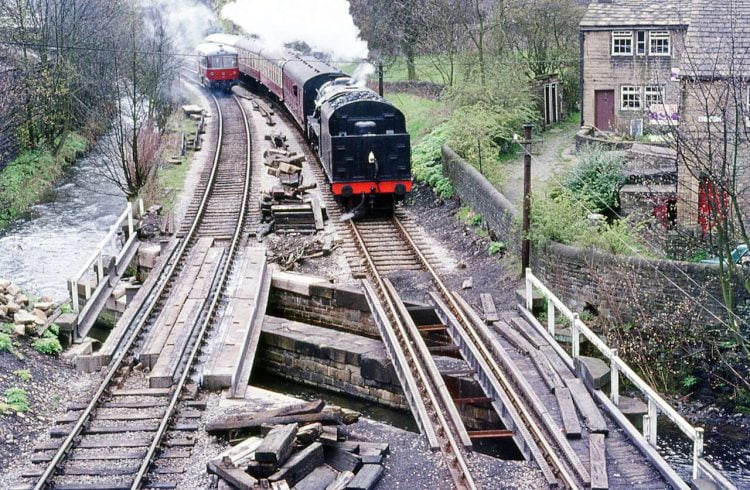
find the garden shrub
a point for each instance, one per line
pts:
(17, 399)
(597, 178)
(47, 345)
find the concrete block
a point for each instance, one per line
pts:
(148, 255)
(67, 322)
(537, 301)
(592, 371)
(351, 298)
(295, 283)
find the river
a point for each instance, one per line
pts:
(42, 252)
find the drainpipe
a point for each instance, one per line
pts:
(581, 37)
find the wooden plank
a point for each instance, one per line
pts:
(568, 412)
(318, 479)
(300, 465)
(366, 478)
(516, 339)
(277, 445)
(341, 481)
(143, 392)
(317, 213)
(488, 307)
(546, 371)
(341, 460)
(599, 480)
(236, 423)
(235, 476)
(527, 331)
(586, 406)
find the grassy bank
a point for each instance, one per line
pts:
(27, 179)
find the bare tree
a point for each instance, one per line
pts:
(144, 71)
(444, 37)
(713, 146)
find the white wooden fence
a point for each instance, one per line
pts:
(109, 246)
(618, 367)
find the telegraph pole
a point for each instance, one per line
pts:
(525, 242)
(380, 78)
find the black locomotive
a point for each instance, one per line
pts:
(360, 137)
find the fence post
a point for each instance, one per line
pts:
(87, 286)
(140, 208)
(551, 317)
(130, 219)
(529, 291)
(74, 295)
(575, 337)
(649, 423)
(100, 267)
(614, 379)
(697, 451)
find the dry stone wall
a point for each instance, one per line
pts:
(627, 288)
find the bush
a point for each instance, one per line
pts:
(47, 345)
(5, 342)
(496, 248)
(426, 162)
(16, 399)
(597, 178)
(24, 374)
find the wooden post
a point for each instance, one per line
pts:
(74, 295)
(525, 243)
(575, 338)
(551, 317)
(614, 378)
(100, 267)
(529, 291)
(130, 219)
(380, 78)
(653, 417)
(697, 451)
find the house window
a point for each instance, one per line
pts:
(658, 43)
(653, 94)
(622, 43)
(640, 43)
(630, 98)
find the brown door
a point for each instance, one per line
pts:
(605, 109)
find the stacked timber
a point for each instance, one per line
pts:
(302, 447)
(289, 206)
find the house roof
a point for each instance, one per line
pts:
(636, 13)
(718, 39)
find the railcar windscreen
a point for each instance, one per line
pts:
(218, 62)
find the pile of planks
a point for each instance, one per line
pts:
(300, 446)
(289, 205)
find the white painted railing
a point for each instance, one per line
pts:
(108, 246)
(656, 404)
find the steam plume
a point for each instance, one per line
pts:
(325, 25)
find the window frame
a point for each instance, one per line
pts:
(661, 90)
(621, 36)
(660, 35)
(640, 44)
(637, 91)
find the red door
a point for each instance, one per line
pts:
(604, 106)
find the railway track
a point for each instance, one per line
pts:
(376, 247)
(130, 430)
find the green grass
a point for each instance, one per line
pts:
(23, 374)
(32, 174)
(422, 114)
(5, 343)
(173, 176)
(15, 399)
(47, 345)
(396, 70)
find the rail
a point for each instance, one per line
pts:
(618, 367)
(95, 263)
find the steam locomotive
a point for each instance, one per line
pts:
(360, 137)
(217, 65)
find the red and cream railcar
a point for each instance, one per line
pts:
(217, 65)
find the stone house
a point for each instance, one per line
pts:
(630, 52)
(714, 135)
(678, 67)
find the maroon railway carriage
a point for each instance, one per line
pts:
(217, 65)
(360, 137)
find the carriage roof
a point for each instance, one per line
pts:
(215, 49)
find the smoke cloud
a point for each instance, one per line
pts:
(187, 21)
(325, 25)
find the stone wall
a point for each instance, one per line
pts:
(625, 287)
(476, 191)
(336, 361)
(321, 303)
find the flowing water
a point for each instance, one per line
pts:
(41, 253)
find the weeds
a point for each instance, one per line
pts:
(23, 374)
(47, 345)
(16, 399)
(5, 343)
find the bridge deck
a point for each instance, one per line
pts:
(626, 466)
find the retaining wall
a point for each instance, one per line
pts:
(627, 288)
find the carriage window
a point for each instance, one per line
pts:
(294, 90)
